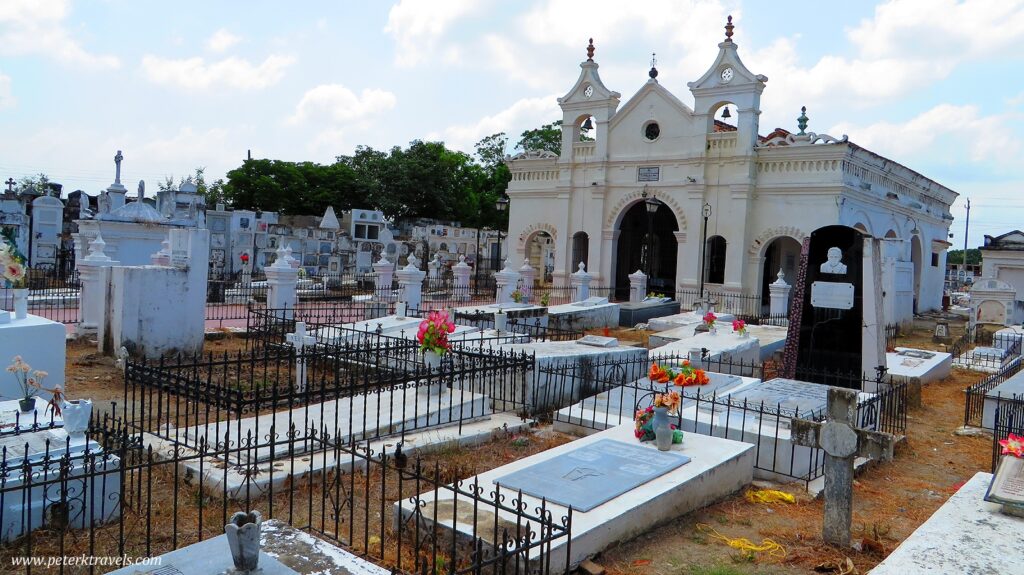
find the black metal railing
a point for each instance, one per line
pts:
(725, 302)
(979, 397)
(52, 294)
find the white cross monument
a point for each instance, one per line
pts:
(299, 340)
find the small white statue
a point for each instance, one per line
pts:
(834, 264)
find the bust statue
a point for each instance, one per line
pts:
(834, 264)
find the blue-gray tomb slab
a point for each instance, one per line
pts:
(208, 557)
(589, 476)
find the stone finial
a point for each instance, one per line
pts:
(97, 247)
(582, 268)
(654, 71)
(728, 30)
(283, 254)
(413, 262)
(590, 51)
(508, 266)
(801, 122)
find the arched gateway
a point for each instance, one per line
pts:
(642, 233)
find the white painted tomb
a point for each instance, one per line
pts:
(725, 347)
(91, 500)
(284, 550)
(594, 312)
(392, 326)
(925, 365)
(617, 406)
(542, 393)
(13, 420)
(716, 469)
(1004, 399)
(966, 535)
(771, 338)
(40, 343)
(1005, 338)
(984, 359)
(523, 314)
(687, 319)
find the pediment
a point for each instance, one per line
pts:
(727, 58)
(1014, 239)
(589, 78)
(649, 91)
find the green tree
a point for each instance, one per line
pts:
(39, 184)
(212, 193)
(547, 137)
(957, 257)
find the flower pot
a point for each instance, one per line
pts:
(501, 322)
(27, 404)
(662, 429)
(243, 534)
(76, 416)
(432, 360)
(20, 303)
(713, 330)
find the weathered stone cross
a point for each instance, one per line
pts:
(299, 340)
(842, 443)
(10, 184)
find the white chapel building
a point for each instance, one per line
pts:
(763, 194)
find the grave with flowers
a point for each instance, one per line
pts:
(729, 345)
(770, 338)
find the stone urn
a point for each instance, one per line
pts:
(243, 533)
(76, 414)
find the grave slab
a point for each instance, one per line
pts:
(584, 315)
(1008, 337)
(544, 393)
(389, 325)
(965, 535)
(925, 365)
(524, 314)
(717, 468)
(984, 359)
(40, 343)
(771, 338)
(725, 346)
(1005, 397)
(632, 313)
(617, 406)
(689, 319)
(284, 550)
(13, 420)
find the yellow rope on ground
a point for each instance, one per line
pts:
(744, 544)
(768, 496)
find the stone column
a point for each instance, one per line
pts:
(385, 271)
(282, 280)
(529, 275)
(637, 286)
(462, 271)
(581, 281)
(778, 292)
(94, 271)
(410, 280)
(507, 280)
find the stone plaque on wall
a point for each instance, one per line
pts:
(648, 174)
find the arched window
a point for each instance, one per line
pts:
(715, 260)
(580, 250)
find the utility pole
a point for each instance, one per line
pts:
(967, 226)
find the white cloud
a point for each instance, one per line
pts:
(198, 74)
(525, 114)
(221, 40)
(943, 133)
(338, 111)
(37, 27)
(6, 98)
(418, 25)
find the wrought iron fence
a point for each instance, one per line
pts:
(608, 393)
(980, 400)
(1008, 417)
(123, 495)
(52, 294)
(725, 302)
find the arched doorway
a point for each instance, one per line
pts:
(634, 244)
(915, 257)
(540, 255)
(781, 253)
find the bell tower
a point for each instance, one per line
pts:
(728, 81)
(586, 110)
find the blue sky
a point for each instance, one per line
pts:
(937, 85)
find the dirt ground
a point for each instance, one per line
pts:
(890, 499)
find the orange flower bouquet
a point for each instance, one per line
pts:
(686, 376)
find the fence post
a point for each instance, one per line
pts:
(410, 280)
(385, 273)
(581, 281)
(637, 286)
(93, 271)
(506, 281)
(282, 279)
(779, 295)
(529, 276)
(462, 271)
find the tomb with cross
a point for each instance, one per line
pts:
(842, 444)
(299, 340)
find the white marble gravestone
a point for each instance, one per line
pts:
(689, 319)
(965, 535)
(717, 468)
(1004, 400)
(592, 313)
(40, 343)
(724, 348)
(770, 338)
(925, 365)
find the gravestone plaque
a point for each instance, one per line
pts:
(1007, 487)
(785, 396)
(589, 476)
(832, 309)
